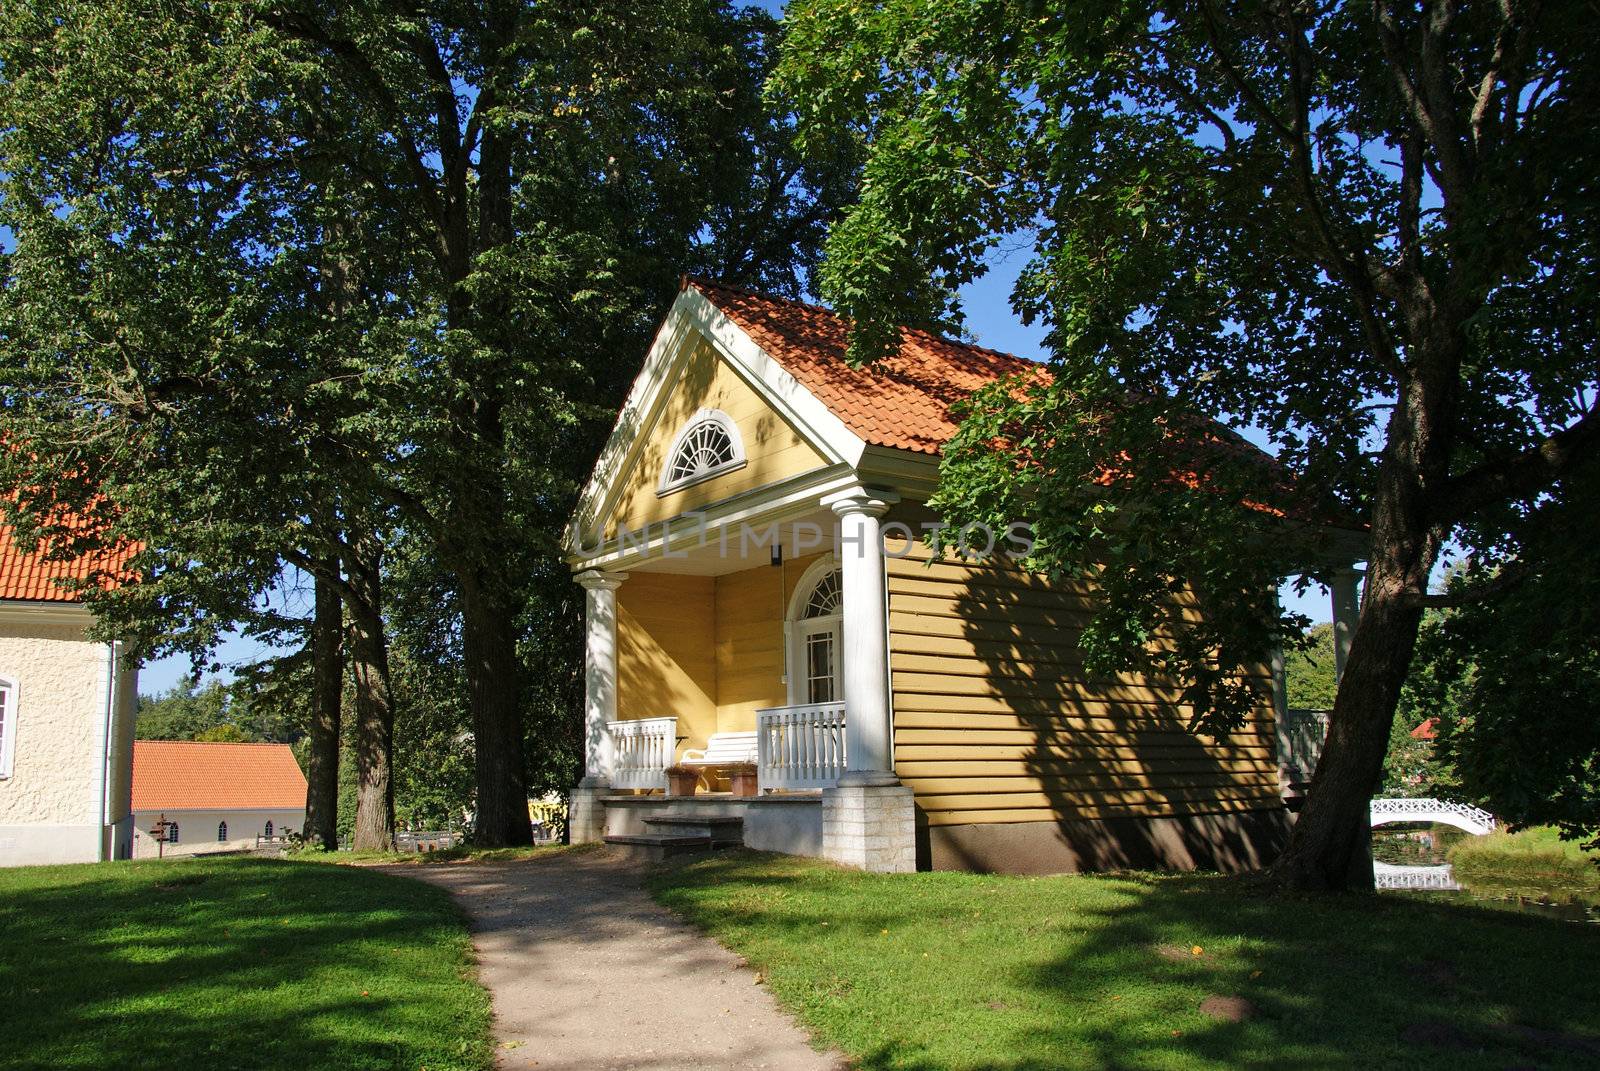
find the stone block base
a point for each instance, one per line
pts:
(586, 815)
(870, 827)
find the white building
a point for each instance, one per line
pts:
(198, 797)
(66, 717)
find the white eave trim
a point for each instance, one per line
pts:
(43, 612)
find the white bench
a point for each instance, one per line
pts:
(723, 749)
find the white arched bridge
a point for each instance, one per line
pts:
(1439, 812)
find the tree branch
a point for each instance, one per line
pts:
(1517, 476)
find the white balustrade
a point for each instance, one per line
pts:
(800, 747)
(641, 751)
(1463, 816)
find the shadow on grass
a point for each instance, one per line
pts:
(197, 964)
(935, 972)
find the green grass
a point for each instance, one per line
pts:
(1534, 862)
(954, 971)
(193, 964)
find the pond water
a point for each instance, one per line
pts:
(1416, 862)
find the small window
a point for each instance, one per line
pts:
(8, 725)
(222, 831)
(172, 832)
(707, 446)
(269, 831)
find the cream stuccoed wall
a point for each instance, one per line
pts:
(197, 830)
(67, 798)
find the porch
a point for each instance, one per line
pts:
(770, 652)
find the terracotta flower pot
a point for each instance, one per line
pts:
(682, 780)
(743, 780)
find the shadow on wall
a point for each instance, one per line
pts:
(1112, 773)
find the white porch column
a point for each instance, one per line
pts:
(1344, 586)
(586, 815)
(869, 817)
(865, 641)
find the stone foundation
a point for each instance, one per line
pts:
(586, 815)
(1241, 841)
(870, 827)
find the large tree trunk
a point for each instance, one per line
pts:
(1331, 846)
(488, 585)
(327, 694)
(493, 673)
(374, 703)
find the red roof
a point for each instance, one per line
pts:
(186, 775)
(32, 577)
(902, 400)
(1428, 730)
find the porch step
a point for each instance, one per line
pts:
(654, 847)
(721, 830)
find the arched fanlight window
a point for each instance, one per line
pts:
(708, 445)
(825, 597)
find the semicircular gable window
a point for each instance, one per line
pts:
(825, 597)
(707, 446)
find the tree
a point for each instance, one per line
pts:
(1309, 670)
(1519, 720)
(1365, 230)
(291, 280)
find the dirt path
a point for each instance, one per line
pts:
(587, 972)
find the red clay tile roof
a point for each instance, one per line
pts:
(902, 401)
(1428, 730)
(31, 577)
(180, 775)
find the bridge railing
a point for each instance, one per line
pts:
(1445, 812)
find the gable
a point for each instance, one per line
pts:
(702, 361)
(773, 448)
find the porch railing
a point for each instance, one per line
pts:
(800, 747)
(641, 751)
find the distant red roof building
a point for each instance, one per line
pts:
(32, 578)
(184, 775)
(1428, 730)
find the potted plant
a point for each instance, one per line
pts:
(742, 778)
(682, 780)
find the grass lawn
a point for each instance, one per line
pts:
(945, 971)
(193, 964)
(1534, 862)
(462, 853)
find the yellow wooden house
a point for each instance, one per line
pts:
(764, 613)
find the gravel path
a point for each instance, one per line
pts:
(587, 972)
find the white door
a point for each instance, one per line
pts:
(818, 650)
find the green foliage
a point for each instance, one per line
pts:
(213, 711)
(1281, 218)
(958, 972)
(270, 965)
(1519, 678)
(1309, 670)
(1534, 862)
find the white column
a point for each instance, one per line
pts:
(865, 640)
(600, 673)
(1346, 610)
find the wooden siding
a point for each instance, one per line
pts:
(773, 448)
(665, 662)
(997, 720)
(750, 608)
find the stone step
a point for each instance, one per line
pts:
(654, 847)
(722, 829)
